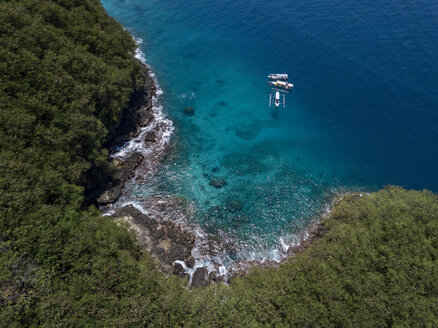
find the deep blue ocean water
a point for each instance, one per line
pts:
(363, 113)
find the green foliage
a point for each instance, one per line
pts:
(66, 73)
(375, 267)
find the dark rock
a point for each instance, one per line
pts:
(178, 270)
(125, 170)
(144, 116)
(214, 277)
(128, 166)
(136, 133)
(215, 169)
(190, 111)
(234, 205)
(190, 262)
(110, 195)
(217, 182)
(178, 250)
(200, 277)
(322, 230)
(150, 136)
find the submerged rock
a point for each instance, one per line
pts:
(217, 182)
(234, 205)
(190, 111)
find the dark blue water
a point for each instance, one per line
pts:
(363, 114)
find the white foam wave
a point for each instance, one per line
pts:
(127, 203)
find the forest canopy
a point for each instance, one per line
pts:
(66, 74)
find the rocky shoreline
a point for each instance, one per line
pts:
(172, 245)
(164, 240)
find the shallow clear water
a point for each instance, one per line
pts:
(363, 114)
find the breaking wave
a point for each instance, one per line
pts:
(160, 124)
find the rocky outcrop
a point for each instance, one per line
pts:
(189, 111)
(125, 170)
(138, 114)
(200, 277)
(150, 136)
(163, 240)
(217, 182)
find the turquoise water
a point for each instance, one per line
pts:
(363, 114)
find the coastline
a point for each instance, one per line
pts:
(140, 140)
(140, 143)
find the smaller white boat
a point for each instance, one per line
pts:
(277, 99)
(283, 77)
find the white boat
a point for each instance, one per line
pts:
(277, 99)
(283, 77)
(281, 84)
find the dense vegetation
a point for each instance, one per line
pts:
(66, 74)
